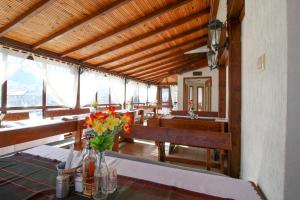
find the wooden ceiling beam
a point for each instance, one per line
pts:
(151, 63)
(149, 34)
(34, 10)
(186, 43)
(182, 66)
(156, 44)
(172, 65)
(164, 74)
(200, 64)
(154, 79)
(158, 62)
(71, 27)
(171, 55)
(128, 26)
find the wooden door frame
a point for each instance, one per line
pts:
(185, 89)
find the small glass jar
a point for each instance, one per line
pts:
(101, 177)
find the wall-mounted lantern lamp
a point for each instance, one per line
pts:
(215, 29)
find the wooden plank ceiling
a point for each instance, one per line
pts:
(140, 39)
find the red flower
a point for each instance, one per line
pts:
(89, 121)
(111, 110)
(100, 116)
(129, 115)
(127, 128)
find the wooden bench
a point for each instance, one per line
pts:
(196, 138)
(188, 124)
(16, 116)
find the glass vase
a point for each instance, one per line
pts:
(101, 176)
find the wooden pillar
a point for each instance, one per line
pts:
(234, 114)
(44, 100)
(78, 90)
(4, 98)
(222, 91)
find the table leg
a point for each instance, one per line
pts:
(208, 162)
(161, 151)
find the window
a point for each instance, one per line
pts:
(50, 101)
(191, 93)
(103, 95)
(24, 88)
(200, 99)
(165, 95)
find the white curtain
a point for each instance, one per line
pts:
(152, 93)
(142, 92)
(61, 83)
(103, 92)
(117, 89)
(174, 93)
(174, 96)
(131, 90)
(10, 62)
(90, 82)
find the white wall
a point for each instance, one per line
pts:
(264, 96)
(292, 161)
(215, 87)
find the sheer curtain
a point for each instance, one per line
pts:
(90, 82)
(131, 89)
(117, 89)
(174, 95)
(10, 62)
(143, 92)
(152, 93)
(61, 83)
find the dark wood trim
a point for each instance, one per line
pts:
(44, 99)
(128, 26)
(234, 112)
(102, 11)
(4, 97)
(195, 41)
(156, 44)
(214, 6)
(34, 10)
(152, 33)
(222, 91)
(235, 8)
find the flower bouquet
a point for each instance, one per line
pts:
(104, 126)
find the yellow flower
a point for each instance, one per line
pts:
(98, 127)
(111, 123)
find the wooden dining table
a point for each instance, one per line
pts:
(31, 175)
(33, 129)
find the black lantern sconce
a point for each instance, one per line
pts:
(215, 29)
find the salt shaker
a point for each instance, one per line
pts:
(78, 183)
(62, 183)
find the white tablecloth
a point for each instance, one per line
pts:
(216, 185)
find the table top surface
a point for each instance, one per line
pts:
(200, 181)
